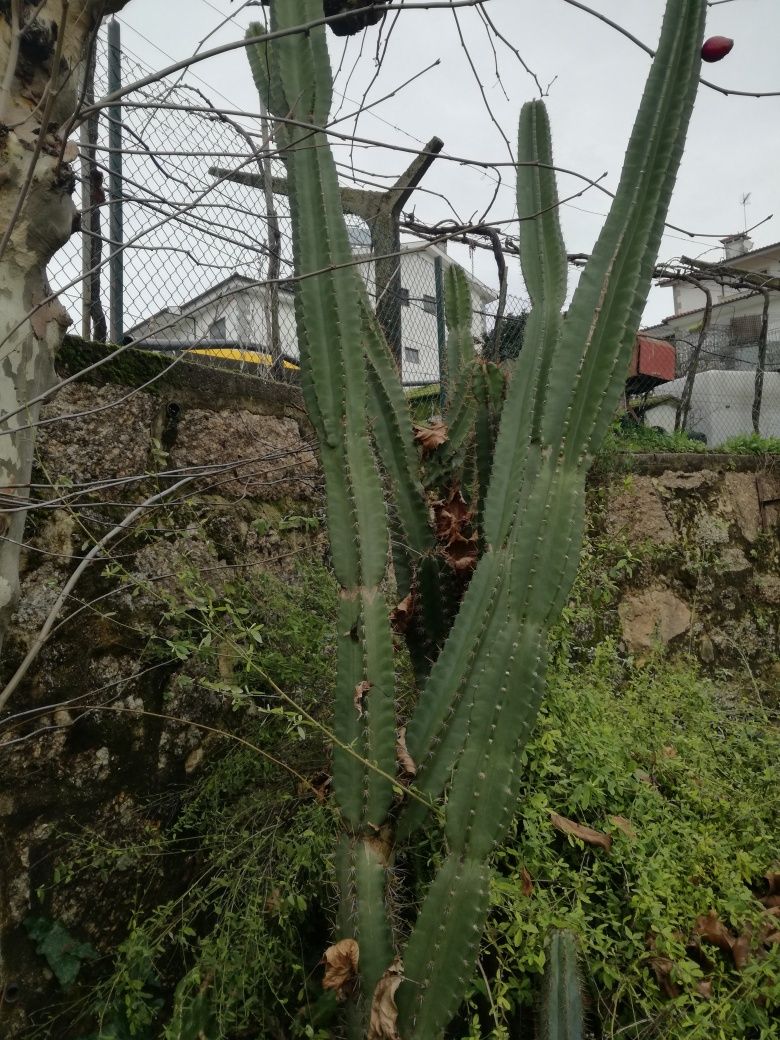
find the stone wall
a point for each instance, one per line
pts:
(95, 733)
(85, 742)
(702, 533)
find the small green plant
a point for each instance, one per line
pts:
(64, 954)
(626, 436)
(751, 444)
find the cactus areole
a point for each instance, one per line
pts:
(523, 486)
(716, 48)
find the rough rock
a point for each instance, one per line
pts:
(109, 436)
(636, 514)
(710, 530)
(768, 586)
(675, 482)
(272, 459)
(655, 614)
(738, 501)
(733, 561)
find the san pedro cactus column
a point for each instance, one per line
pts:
(295, 75)
(480, 703)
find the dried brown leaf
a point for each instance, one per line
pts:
(405, 760)
(461, 553)
(662, 968)
(381, 843)
(431, 437)
(527, 882)
(710, 928)
(741, 949)
(578, 830)
(771, 902)
(704, 988)
(624, 825)
(383, 1023)
(361, 690)
(451, 514)
(341, 967)
(773, 883)
(402, 615)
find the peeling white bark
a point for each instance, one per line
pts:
(33, 90)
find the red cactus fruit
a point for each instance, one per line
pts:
(716, 47)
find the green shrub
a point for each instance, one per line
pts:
(752, 444)
(686, 788)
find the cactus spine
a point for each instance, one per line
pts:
(481, 698)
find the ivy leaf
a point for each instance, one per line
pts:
(64, 954)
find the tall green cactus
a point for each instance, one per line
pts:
(480, 700)
(562, 1011)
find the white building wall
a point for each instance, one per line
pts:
(721, 405)
(246, 319)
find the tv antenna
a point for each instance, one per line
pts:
(745, 202)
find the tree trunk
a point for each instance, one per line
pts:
(684, 404)
(42, 52)
(761, 364)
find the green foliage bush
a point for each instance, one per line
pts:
(235, 954)
(693, 775)
(752, 444)
(625, 436)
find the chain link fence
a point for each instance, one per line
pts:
(726, 385)
(186, 240)
(186, 248)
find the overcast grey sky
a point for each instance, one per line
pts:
(733, 146)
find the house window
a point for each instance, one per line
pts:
(403, 296)
(218, 329)
(429, 304)
(412, 355)
(745, 329)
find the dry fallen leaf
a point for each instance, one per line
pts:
(341, 966)
(402, 615)
(361, 690)
(710, 928)
(451, 514)
(527, 882)
(624, 825)
(704, 988)
(431, 437)
(740, 949)
(578, 830)
(383, 1024)
(381, 843)
(662, 967)
(773, 883)
(405, 760)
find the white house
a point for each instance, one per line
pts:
(235, 313)
(736, 313)
(724, 384)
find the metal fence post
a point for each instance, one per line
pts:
(115, 186)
